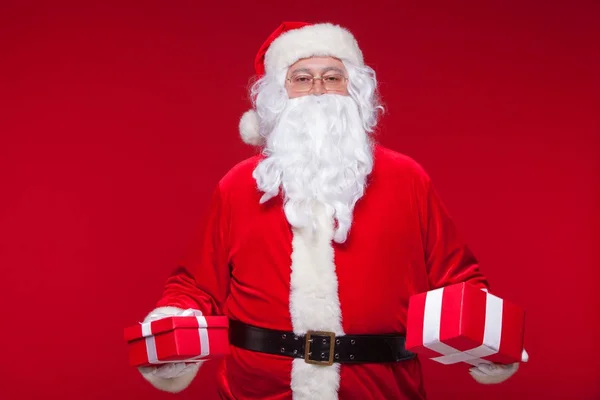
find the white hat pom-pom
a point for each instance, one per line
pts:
(250, 129)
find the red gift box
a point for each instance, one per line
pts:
(462, 323)
(177, 338)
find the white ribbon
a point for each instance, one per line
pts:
(491, 336)
(202, 332)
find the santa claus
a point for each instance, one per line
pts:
(313, 248)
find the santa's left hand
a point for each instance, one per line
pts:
(488, 374)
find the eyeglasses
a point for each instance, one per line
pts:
(305, 82)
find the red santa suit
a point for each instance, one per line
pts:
(251, 266)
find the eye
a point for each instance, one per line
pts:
(333, 78)
(301, 79)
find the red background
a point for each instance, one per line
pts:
(117, 119)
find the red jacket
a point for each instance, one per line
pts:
(402, 242)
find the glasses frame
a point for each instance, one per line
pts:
(312, 84)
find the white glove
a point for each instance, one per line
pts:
(488, 374)
(169, 377)
(162, 312)
(169, 370)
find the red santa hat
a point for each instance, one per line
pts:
(293, 41)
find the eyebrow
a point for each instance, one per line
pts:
(323, 71)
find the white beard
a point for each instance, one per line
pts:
(319, 154)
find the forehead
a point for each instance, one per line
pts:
(317, 64)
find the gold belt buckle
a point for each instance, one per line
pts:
(309, 340)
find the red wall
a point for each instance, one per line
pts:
(116, 120)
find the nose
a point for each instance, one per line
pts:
(318, 88)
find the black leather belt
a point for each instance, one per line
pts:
(318, 347)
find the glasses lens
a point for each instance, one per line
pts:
(301, 83)
(334, 82)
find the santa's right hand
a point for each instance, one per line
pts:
(168, 370)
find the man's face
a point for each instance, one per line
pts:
(317, 76)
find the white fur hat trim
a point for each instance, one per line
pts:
(312, 41)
